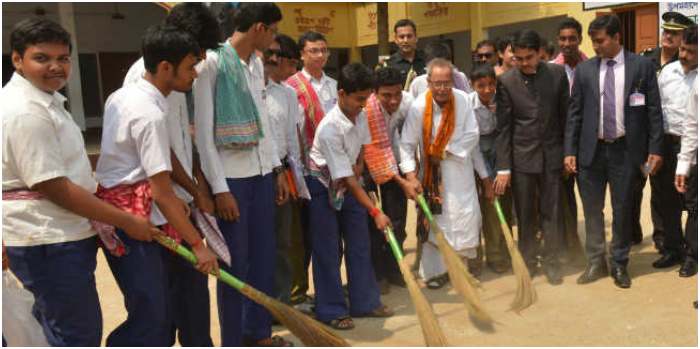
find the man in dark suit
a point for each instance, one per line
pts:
(531, 104)
(614, 131)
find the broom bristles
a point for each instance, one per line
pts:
(525, 294)
(460, 277)
(309, 331)
(432, 333)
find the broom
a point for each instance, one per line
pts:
(432, 333)
(460, 277)
(525, 294)
(308, 330)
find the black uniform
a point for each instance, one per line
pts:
(404, 66)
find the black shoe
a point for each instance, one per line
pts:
(553, 274)
(396, 280)
(688, 269)
(667, 260)
(637, 239)
(622, 279)
(593, 272)
(474, 266)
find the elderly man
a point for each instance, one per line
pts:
(449, 150)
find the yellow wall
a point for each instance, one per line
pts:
(353, 25)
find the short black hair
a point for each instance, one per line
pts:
(486, 42)
(227, 19)
(166, 43)
(571, 23)
(503, 42)
(355, 77)
(288, 47)
(610, 23)
(436, 49)
(198, 20)
(387, 76)
(482, 71)
(34, 31)
(405, 23)
(527, 39)
(690, 35)
(548, 46)
(310, 36)
(249, 13)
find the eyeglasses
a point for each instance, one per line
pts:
(316, 51)
(441, 84)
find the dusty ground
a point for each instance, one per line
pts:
(656, 311)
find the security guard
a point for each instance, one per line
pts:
(667, 52)
(673, 26)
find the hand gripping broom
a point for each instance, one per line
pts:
(525, 294)
(308, 330)
(459, 276)
(432, 333)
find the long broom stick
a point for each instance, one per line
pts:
(459, 275)
(309, 331)
(432, 333)
(525, 294)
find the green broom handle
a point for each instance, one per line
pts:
(499, 211)
(424, 206)
(190, 257)
(390, 237)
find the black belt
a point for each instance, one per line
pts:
(611, 141)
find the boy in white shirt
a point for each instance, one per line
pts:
(135, 163)
(48, 190)
(338, 204)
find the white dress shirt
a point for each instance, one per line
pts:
(134, 138)
(41, 141)
(689, 139)
(485, 118)
(674, 87)
(178, 123)
(412, 135)
(619, 70)
(283, 106)
(221, 162)
(326, 89)
(338, 142)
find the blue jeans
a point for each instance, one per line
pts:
(251, 241)
(62, 279)
(328, 226)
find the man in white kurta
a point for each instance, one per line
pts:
(461, 218)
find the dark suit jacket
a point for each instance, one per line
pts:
(531, 127)
(644, 128)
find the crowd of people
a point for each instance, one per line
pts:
(288, 160)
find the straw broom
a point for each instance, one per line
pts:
(309, 331)
(460, 277)
(432, 333)
(525, 294)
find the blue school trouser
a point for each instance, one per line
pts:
(251, 241)
(142, 278)
(189, 302)
(327, 227)
(61, 277)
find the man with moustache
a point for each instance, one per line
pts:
(408, 59)
(675, 84)
(486, 52)
(614, 131)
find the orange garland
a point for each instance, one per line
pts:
(444, 133)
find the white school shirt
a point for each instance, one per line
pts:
(675, 86)
(282, 104)
(338, 142)
(178, 123)
(689, 140)
(619, 70)
(485, 118)
(221, 162)
(40, 142)
(134, 138)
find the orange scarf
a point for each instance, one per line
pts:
(442, 137)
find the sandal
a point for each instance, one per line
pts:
(342, 323)
(381, 311)
(437, 282)
(274, 341)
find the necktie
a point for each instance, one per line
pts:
(609, 121)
